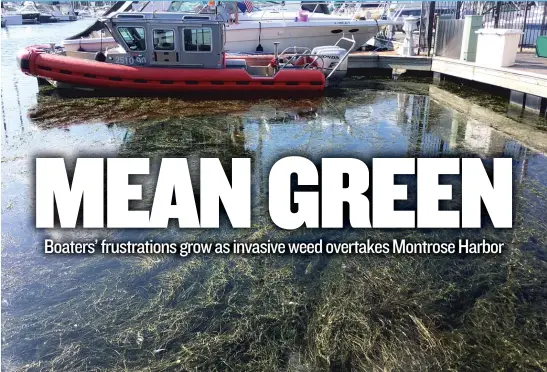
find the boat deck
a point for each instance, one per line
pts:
(528, 75)
(528, 62)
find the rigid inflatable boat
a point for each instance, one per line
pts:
(175, 52)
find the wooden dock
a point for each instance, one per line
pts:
(388, 60)
(527, 75)
(526, 80)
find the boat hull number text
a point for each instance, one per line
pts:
(129, 60)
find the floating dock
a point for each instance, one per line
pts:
(526, 76)
(526, 79)
(387, 60)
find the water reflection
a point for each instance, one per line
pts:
(392, 124)
(371, 124)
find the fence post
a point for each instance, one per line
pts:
(430, 20)
(524, 26)
(543, 24)
(458, 9)
(420, 30)
(438, 32)
(497, 14)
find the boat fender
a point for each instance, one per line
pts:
(100, 57)
(23, 60)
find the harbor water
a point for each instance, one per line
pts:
(268, 312)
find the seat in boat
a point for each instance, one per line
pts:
(236, 63)
(264, 71)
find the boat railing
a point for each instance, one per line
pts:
(295, 53)
(280, 11)
(343, 38)
(295, 50)
(346, 8)
(285, 23)
(292, 60)
(312, 13)
(398, 11)
(352, 9)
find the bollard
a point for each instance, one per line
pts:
(408, 44)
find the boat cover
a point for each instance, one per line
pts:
(97, 26)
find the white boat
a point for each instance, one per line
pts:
(286, 26)
(86, 13)
(11, 15)
(12, 19)
(257, 30)
(57, 12)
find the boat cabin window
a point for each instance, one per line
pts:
(134, 37)
(164, 39)
(198, 39)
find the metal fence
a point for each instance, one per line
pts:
(527, 16)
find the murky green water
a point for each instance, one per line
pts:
(265, 313)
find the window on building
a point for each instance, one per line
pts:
(134, 37)
(198, 39)
(164, 39)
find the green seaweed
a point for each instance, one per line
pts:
(275, 312)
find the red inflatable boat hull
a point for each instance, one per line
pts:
(86, 73)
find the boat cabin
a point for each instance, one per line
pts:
(166, 39)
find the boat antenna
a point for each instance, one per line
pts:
(259, 47)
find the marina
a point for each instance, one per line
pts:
(524, 78)
(180, 299)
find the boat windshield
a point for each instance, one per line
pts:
(134, 37)
(316, 6)
(185, 7)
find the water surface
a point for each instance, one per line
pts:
(262, 313)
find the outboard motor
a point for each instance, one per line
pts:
(333, 61)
